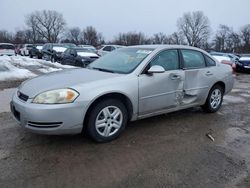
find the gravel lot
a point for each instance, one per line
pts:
(170, 150)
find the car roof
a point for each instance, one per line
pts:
(166, 46)
(78, 48)
(6, 44)
(115, 45)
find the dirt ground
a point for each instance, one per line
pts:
(170, 150)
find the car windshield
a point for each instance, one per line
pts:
(124, 60)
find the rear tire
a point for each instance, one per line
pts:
(214, 99)
(107, 120)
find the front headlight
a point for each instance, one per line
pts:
(59, 96)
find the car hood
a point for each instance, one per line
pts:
(86, 54)
(62, 79)
(59, 49)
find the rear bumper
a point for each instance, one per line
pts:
(48, 119)
(229, 83)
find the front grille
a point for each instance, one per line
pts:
(22, 96)
(44, 124)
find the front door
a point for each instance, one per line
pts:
(161, 91)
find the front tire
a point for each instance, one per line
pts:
(214, 99)
(52, 59)
(107, 120)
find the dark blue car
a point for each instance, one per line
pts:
(79, 57)
(243, 65)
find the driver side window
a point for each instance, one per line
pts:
(168, 59)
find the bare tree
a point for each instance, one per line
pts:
(19, 37)
(233, 42)
(90, 35)
(222, 41)
(74, 35)
(160, 38)
(195, 27)
(131, 38)
(100, 39)
(6, 36)
(47, 23)
(176, 38)
(245, 36)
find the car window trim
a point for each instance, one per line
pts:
(144, 69)
(192, 68)
(207, 62)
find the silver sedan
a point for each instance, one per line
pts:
(126, 85)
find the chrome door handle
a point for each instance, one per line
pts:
(208, 73)
(175, 77)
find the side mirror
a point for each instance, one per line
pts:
(156, 69)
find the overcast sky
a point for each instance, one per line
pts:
(113, 16)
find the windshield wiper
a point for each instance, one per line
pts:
(103, 70)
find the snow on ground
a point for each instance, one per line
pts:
(50, 69)
(10, 72)
(18, 67)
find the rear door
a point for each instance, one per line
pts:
(161, 91)
(199, 76)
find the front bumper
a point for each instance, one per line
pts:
(48, 119)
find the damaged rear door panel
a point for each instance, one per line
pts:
(198, 77)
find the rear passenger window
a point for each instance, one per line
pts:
(193, 59)
(209, 61)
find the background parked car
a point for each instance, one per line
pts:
(107, 48)
(243, 64)
(80, 57)
(7, 49)
(52, 52)
(233, 58)
(226, 60)
(89, 47)
(24, 51)
(36, 51)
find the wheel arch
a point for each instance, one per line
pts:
(220, 83)
(113, 95)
